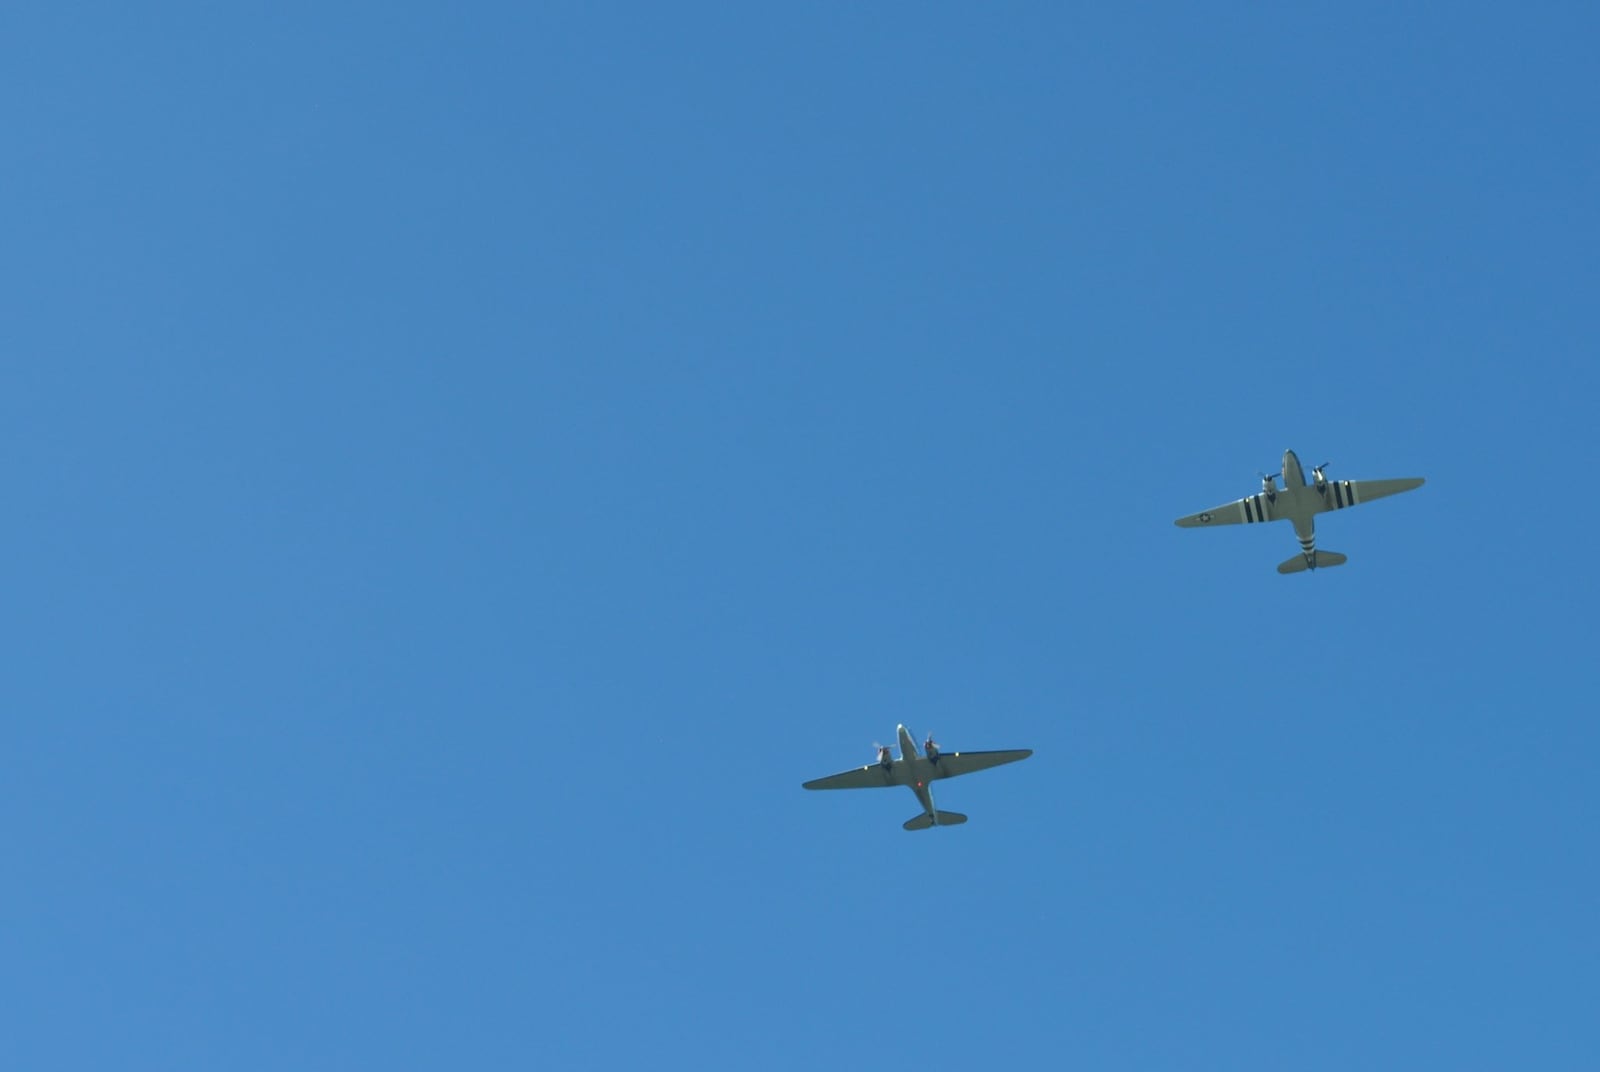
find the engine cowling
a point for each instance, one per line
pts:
(884, 756)
(931, 747)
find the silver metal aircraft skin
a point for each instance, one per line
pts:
(918, 772)
(1299, 502)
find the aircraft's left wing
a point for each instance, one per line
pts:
(1249, 509)
(951, 764)
(1343, 493)
(872, 776)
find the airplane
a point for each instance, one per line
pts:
(917, 772)
(1300, 502)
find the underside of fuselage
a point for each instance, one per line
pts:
(917, 773)
(1300, 503)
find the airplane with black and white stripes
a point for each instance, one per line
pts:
(1299, 502)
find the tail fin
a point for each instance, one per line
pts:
(1298, 563)
(942, 818)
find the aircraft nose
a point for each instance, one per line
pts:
(901, 727)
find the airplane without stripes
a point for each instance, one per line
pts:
(918, 772)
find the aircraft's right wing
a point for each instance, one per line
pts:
(1249, 509)
(1343, 493)
(951, 764)
(872, 776)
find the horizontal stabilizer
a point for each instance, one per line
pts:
(1299, 563)
(946, 818)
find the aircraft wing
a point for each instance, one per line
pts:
(1249, 509)
(1343, 493)
(951, 764)
(872, 776)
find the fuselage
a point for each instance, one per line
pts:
(915, 770)
(1293, 475)
(1296, 500)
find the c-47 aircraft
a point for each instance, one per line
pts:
(917, 772)
(1300, 502)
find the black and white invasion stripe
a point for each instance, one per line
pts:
(1254, 508)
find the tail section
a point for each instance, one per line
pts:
(1315, 560)
(941, 818)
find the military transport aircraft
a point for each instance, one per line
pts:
(1299, 502)
(916, 772)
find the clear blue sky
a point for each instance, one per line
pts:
(464, 467)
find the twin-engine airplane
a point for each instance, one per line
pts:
(1299, 502)
(917, 772)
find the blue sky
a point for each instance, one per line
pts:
(465, 468)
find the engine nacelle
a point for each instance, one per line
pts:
(1320, 479)
(884, 758)
(1269, 486)
(931, 748)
